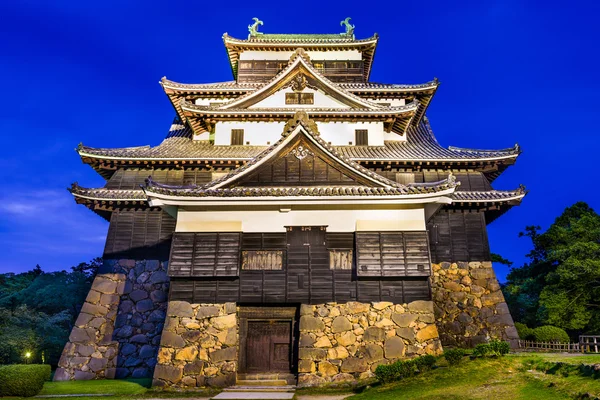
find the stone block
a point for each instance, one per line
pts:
(128, 349)
(226, 354)
(327, 369)
(80, 335)
(404, 320)
(384, 322)
(144, 305)
(306, 340)
(381, 305)
(138, 295)
(141, 372)
(194, 368)
(158, 296)
(394, 348)
(406, 333)
(311, 324)
(85, 350)
(306, 366)
(323, 341)
(207, 312)
(337, 353)
(373, 352)
(421, 306)
(168, 373)
(97, 364)
(94, 309)
(171, 339)
(93, 297)
(482, 273)
(312, 354)
(139, 338)
(342, 378)
(61, 375)
(492, 299)
(354, 364)
(427, 333)
(346, 338)
(341, 324)
(306, 309)
(354, 307)
(159, 277)
(225, 322)
(83, 319)
(310, 380)
(187, 353)
(156, 316)
(84, 376)
(104, 285)
(374, 334)
(180, 309)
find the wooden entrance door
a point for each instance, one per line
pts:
(268, 346)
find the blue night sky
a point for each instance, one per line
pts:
(88, 72)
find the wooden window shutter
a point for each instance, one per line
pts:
(205, 254)
(237, 137)
(392, 254)
(362, 137)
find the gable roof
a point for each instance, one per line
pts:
(300, 64)
(284, 42)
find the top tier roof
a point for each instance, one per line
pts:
(259, 41)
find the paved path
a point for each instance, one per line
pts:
(254, 395)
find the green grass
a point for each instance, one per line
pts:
(131, 387)
(571, 358)
(499, 378)
(120, 389)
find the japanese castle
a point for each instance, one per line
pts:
(299, 225)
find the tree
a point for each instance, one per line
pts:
(561, 283)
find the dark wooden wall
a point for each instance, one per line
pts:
(306, 276)
(139, 234)
(456, 235)
(132, 178)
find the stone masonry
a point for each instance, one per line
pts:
(91, 351)
(140, 315)
(199, 346)
(469, 305)
(344, 343)
(117, 333)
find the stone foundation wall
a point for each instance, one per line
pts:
(140, 315)
(469, 305)
(344, 343)
(91, 351)
(198, 346)
(117, 333)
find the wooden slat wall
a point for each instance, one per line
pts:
(130, 179)
(306, 276)
(392, 254)
(205, 254)
(458, 236)
(139, 234)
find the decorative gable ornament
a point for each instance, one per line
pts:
(300, 152)
(299, 83)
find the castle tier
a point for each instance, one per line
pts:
(299, 220)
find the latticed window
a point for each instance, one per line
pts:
(265, 260)
(237, 137)
(362, 137)
(299, 98)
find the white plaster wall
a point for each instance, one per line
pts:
(336, 133)
(275, 221)
(314, 55)
(257, 133)
(342, 133)
(206, 102)
(277, 100)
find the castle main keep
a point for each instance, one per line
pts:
(299, 222)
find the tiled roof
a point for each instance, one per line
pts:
(107, 194)
(250, 86)
(296, 39)
(421, 145)
(491, 196)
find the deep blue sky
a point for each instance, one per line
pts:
(81, 71)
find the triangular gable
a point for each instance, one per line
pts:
(301, 69)
(301, 140)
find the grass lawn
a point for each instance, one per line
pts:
(492, 378)
(502, 378)
(120, 389)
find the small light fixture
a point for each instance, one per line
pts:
(27, 356)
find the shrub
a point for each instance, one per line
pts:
(23, 380)
(551, 334)
(454, 356)
(425, 363)
(525, 332)
(499, 347)
(404, 369)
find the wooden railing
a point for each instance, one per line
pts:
(587, 344)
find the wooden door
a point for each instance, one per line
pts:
(268, 346)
